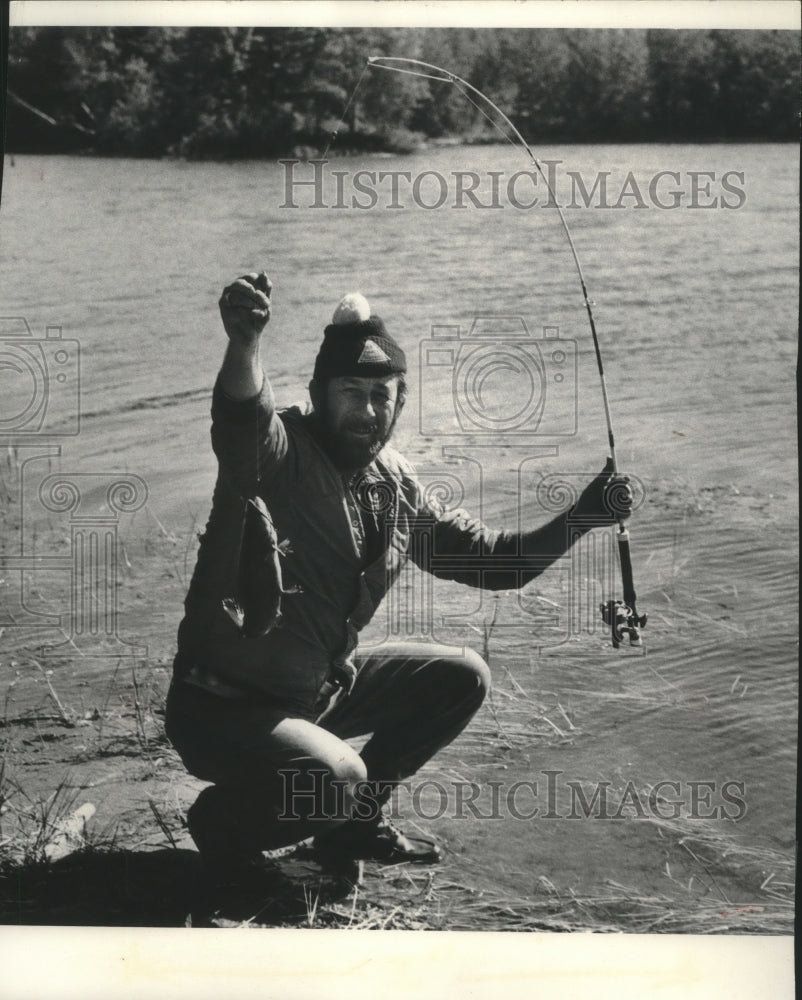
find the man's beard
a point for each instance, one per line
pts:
(350, 453)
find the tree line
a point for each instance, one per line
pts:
(253, 92)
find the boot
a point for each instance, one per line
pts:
(376, 837)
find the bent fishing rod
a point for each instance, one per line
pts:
(621, 616)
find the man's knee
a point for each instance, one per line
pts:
(326, 784)
(347, 767)
(471, 673)
(349, 773)
(341, 768)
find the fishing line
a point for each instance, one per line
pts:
(378, 63)
(351, 99)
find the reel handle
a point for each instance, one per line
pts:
(623, 621)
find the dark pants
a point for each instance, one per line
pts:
(279, 778)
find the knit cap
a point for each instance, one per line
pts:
(357, 343)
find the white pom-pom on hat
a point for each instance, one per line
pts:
(353, 308)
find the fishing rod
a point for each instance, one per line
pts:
(621, 616)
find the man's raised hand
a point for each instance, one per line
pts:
(245, 308)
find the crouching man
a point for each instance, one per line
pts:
(265, 719)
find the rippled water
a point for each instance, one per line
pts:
(697, 315)
(129, 257)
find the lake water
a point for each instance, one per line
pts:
(129, 257)
(697, 311)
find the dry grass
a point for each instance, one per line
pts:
(404, 898)
(35, 830)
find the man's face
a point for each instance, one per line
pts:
(357, 417)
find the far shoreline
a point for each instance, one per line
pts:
(425, 146)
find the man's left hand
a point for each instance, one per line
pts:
(607, 499)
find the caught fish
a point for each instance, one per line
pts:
(257, 606)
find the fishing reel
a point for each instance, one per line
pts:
(622, 616)
(622, 621)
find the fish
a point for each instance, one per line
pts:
(256, 609)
